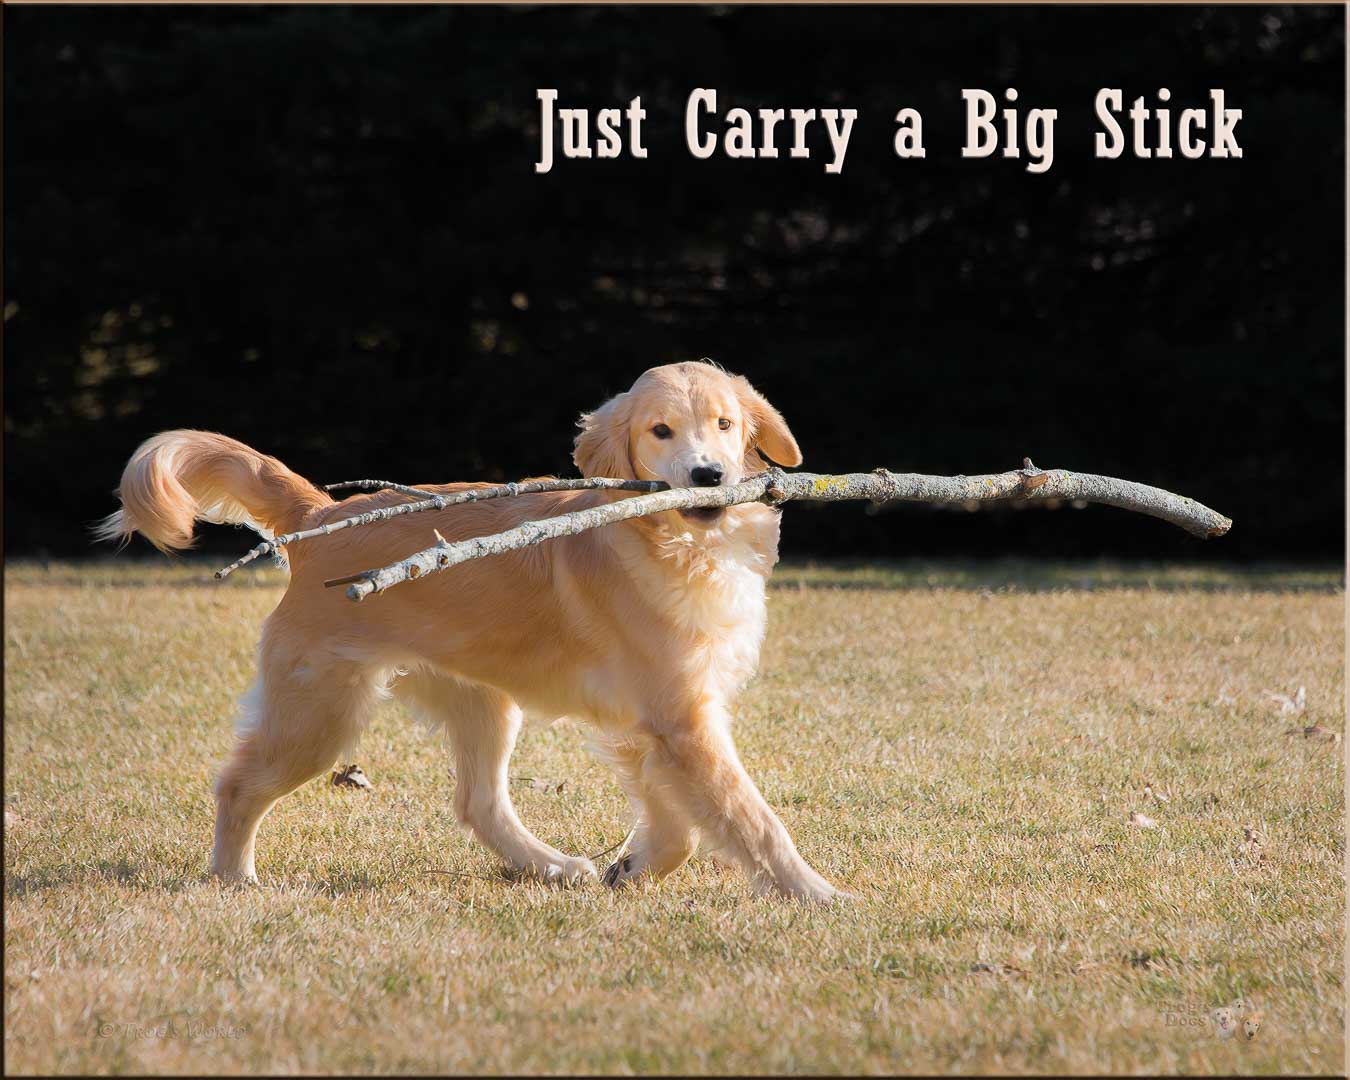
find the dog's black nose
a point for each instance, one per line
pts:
(706, 476)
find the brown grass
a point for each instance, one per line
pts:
(965, 759)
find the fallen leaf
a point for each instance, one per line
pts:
(1295, 705)
(1143, 821)
(1147, 959)
(540, 784)
(1318, 732)
(1009, 971)
(352, 776)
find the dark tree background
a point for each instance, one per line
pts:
(320, 230)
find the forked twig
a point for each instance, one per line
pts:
(620, 846)
(379, 485)
(430, 501)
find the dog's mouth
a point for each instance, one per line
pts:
(704, 515)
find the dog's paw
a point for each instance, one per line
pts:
(235, 881)
(566, 871)
(622, 870)
(836, 897)
(233, 873)
(808, 887)
(815, 894)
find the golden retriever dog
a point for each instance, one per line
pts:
(645, 630)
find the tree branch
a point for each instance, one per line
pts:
(776, 486)
(378, 485)
(430, 501)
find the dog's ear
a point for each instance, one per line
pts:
(767, 431)
(602, 447)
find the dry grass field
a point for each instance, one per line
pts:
(961, 747)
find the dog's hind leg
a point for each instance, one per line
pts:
(295, 721)
(483, 724)
(664, 837)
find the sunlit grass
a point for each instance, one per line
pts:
(963, 755)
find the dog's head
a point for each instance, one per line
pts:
(691, 425)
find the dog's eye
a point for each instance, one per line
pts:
(661, 431)
(724, 424)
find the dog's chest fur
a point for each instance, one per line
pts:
(711, 588)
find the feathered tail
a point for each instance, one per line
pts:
(178, 478)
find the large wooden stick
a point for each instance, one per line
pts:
(776, 486)
(429, 501)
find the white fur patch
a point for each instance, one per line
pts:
(716, 596)
(249, 717)
(228, 512)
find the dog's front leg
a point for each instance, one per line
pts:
(694, 759)
(663, 836)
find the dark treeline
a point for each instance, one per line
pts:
(320, 230)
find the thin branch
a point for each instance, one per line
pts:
(378, 485)
(621, 847)
(432, 501)
(776, 486)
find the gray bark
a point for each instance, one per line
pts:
(378, 485)
(429, 501)
(776, 487)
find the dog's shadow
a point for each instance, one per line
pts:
(120, 872)
(142, 878)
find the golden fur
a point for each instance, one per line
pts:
(644, 630)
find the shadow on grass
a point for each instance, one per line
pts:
(142, 878)
(994, 575)
(135, 573)
(351, 882)
(102, 872)
(1032, 576)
